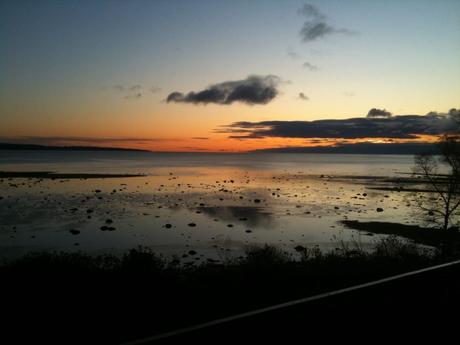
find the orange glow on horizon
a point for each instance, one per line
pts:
(219, 143)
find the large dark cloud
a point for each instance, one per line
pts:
(402, 127)
(316, 25)
(360, 148)
(252, 90)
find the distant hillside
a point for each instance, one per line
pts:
(6, 146)
(360, 148)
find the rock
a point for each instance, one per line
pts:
(74, 231)
(191, 224)
(107, 228)
(191, 252)
(257, 201)
(108, 221)
(299, 248)
(168, 226)
(379, 209)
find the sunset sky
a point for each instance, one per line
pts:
(120, 73)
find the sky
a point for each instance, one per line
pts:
(207, 75)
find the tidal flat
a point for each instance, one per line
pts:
(197, 207)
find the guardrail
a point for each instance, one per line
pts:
(280, 306)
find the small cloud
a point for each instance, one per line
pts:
(131, 91)
(348, 93)
(200, 138)
(374, 112)
(316, 25)
(252, 90)
(303, 97)
(136, 95)
(293, 55)
(310, 66)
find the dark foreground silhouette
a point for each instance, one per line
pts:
(75, 298)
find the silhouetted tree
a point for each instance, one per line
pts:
(442, 206)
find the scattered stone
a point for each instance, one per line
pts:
(107, 228)
(299, 248)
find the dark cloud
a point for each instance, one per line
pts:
(374, 112)
(359, 148)
(200, 138)
(402, 127)
(303, 96)
(454, 114)
(315, 25)
(252, 90)
(310, 66)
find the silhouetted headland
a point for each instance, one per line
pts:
(53, 175)
(7, 146)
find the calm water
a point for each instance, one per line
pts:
(234, 200)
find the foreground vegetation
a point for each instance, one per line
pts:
(115, 293)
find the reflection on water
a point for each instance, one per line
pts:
(252, 216)
(230, 206)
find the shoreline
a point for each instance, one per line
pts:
(53, 175)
